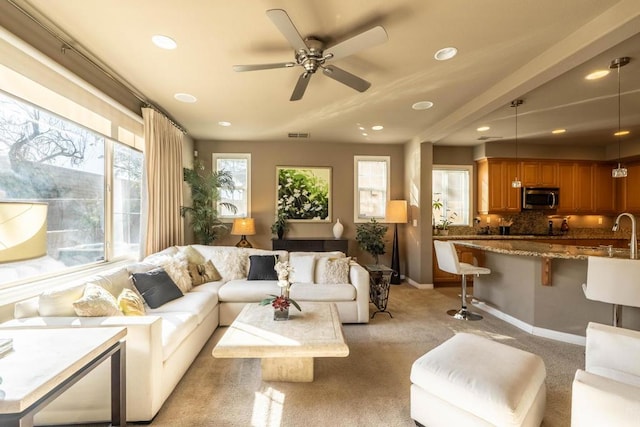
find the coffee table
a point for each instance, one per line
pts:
(286, 348)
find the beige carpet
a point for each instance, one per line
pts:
(368, 388)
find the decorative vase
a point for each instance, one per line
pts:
(338, 228)
(280, 233)
(279, 314)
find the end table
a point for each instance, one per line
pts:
(379, 283)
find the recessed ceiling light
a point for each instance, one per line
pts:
(622, 133)
(225, 124)
(377, 127)
(185, 97)
(365, 134)
(597, 74)
(445, 53)
(483, 128)
(164, 42)
(558, 131)
(361, 127)
(422, 105)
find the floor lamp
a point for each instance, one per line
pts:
(396, 214)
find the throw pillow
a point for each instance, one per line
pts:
(203, 273)
(131, 303)
(302, 268)
(335, 271)
(96, 301)
(193, 256)
(59, 301)
(232, 264)
(177, 267)
(156, 287)
(261, 267)
(114, 281)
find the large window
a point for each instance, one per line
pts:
(53, 161)
(239, 165)
(451, 187)
(371, 175)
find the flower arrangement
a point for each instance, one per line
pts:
(282, 302)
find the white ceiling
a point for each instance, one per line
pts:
(536, 50)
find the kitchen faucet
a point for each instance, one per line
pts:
(633, 245)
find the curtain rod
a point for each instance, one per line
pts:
(67, 46)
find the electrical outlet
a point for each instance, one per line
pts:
(600, 220)
(488, 220)
(415, 222)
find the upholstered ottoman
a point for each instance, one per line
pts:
(471, 380)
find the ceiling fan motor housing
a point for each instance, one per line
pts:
(312, 58)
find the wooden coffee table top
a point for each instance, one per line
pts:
(315, 331)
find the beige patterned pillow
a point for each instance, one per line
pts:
(177, 267)
(131, 303)
(203, 273)
(232, 264)
(334, 271)
(193, 256)
(96, 301)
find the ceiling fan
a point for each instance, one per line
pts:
(311, 54)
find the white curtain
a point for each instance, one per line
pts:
(164, 176)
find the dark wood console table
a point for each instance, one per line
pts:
(311, 245)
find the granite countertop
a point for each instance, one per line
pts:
(558, 237)
(545, 250)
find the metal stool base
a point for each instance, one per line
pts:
(464, 314)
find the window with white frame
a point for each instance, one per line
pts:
(371, 176)
(452, 189)
(239, 166)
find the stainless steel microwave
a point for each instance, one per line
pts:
(540, 198)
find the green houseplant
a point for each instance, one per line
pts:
(279, 227)
(205, 194)
(370, 237)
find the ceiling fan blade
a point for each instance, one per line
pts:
(286, 27)
(346, 78)
(263, 66)
(373, 37)
(301, 86)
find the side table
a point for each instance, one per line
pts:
(380, 281)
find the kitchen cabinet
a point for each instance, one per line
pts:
(495, 194)
(540, 173)
(604, 189)
(586, 188)
(629, 189)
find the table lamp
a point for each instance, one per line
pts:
(243, 227)
(396, 213)
(23, 230)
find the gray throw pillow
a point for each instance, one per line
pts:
(156, 287)
(261, 267)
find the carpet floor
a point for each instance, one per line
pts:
(370, 387)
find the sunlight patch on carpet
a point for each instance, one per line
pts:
(267, 408)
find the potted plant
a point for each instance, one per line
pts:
(436, 206)
(279, 227)
(205, 194)
(370, 237)
(445, 222)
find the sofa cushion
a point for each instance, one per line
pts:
(131, 303)
(198, 303)
(232, 264)
(302, 266)
(176, 327)
(261, 267)
(113, 281)
(315, 292)
(59, 301)
(332, 270)
(192, 254)
(96, 301)
(243, 290)
(156, 287)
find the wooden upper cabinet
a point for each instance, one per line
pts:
(495, 194)
(629, 189)
(583, 188)
(539, 173)
(604, 189)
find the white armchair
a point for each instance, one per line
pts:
(607, 392)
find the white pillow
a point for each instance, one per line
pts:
(96, 301)
(114, 281)
(302, 268)
(333, 271)
(193, 256)
(231, 264)
(59, 301)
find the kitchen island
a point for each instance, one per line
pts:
(538, 287)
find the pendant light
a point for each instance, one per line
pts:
(516, 183)
(618, 63)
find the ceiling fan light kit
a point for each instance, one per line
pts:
(618, 63)
(311, 54)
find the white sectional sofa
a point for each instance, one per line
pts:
(162, 343)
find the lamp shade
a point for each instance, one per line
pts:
(243, 227)
(23, 230)
(396, 212)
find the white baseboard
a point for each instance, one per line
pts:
(533, 330)
(419, 285)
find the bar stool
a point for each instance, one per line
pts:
(614, 281)
(447, 258)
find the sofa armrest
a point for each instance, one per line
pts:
(359, 278)
(612, 351)
(600, 401)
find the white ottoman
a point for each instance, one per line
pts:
(471, 380)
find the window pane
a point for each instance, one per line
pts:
(127, 184)
(44, 158)
(372, 187)
(451, 187)
(238, 166)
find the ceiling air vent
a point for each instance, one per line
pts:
(484, 138)
(298, 134)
